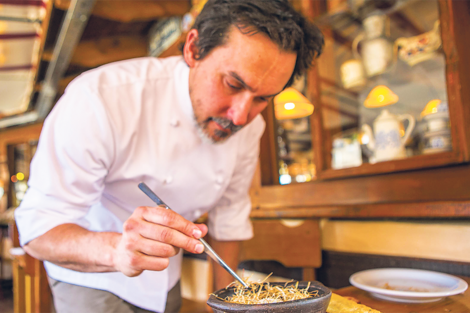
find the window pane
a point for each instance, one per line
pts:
(382, 82)
(294, 136)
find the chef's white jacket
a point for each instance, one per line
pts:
(122, 124)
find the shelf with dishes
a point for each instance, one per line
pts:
(23, 26)
(37, 61)
(386, 93)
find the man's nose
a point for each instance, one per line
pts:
(240, 110)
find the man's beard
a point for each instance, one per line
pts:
(219, 136)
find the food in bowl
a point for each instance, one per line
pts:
(273, 297)
(260, 293)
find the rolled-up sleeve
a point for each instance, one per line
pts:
(68, 170)
(230, 219)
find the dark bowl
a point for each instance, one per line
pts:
(310, 305)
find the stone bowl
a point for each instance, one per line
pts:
(310, 305)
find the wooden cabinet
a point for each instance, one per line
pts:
(422, 182)
(293, 243)
(30, 286)
(411, 28)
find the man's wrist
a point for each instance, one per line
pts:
(110, 258)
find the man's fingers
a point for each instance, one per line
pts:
(165, 217)
(142, 261)
(156, 248)
(169, 227)
(202, 228)
(170, 236)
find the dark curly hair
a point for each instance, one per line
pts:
(275, 18)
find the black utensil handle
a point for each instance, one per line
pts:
(151, 194)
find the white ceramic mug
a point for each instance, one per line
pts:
(437, 124)
(440, 140)
(352, 74)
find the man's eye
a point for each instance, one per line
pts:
(233, 86)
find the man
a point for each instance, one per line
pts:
(186, 126)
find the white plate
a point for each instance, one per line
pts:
(408, 285)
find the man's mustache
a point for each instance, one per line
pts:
(226, 124)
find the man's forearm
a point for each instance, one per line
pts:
(150, 237)
(76, 248)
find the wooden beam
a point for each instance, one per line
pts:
(447, 184)
(16, 135)
(455, 22)
(93, 53)
(341, 40)
(440, 209)
(97, 52)
(404, 22)
(311, 9)
(334, 84)
(268, 149)
(64, 82)
(135, 10)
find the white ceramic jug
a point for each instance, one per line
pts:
(377, 48)
(386, 141)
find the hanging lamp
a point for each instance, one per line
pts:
(291, 104)
(380, 96)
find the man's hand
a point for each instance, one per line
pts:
(151, 236)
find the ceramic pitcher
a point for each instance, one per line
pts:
(386, 141)
(376, 47)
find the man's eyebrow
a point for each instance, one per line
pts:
(242, 82)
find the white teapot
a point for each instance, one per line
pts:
(386, 141)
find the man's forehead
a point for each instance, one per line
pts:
(261, 77)
(256, 60)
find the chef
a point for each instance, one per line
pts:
(189, 127)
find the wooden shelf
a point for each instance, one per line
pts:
(135, 10)
(93, 53)
(415, 162)
(62, 84)
(384, 192)
(442, 209)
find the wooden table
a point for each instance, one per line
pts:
(454, 304)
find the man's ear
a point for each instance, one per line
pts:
(190, 50)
